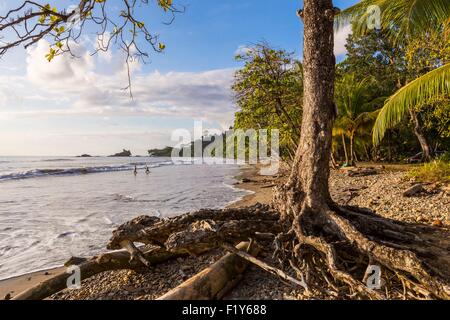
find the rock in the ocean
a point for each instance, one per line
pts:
(124, 153)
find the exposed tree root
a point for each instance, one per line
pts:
(337, 237)
(196, 232)
(330, 246)
(266, 267)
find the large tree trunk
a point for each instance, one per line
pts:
(426, 150)
(308, 182)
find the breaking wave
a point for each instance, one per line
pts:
(79, 171)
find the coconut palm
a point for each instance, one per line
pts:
(418, 92)
(357, 110)
(402, 19)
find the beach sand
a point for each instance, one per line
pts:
(15, 285)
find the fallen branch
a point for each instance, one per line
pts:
(134, 252)
(362, 172)
(215, 281)
(109, 261)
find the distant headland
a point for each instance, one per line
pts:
(124, 153)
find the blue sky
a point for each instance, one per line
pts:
(71, 107)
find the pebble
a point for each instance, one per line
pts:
(438, 223)
(383, 194)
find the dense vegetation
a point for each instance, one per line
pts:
(269, 92)
(269, 95)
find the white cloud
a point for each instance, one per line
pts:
(340, 39)
(11, 92)
(85, 91)
(63, 72)
(83, 87)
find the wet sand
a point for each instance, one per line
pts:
(15, 285)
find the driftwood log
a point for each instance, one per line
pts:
(88, 267)
(196, 232)
(362, 172)
(215, 281)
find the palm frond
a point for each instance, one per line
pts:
(418, 92)
(399, 18)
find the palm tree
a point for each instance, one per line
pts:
(403, 19)
(418, 92)
(356, 110)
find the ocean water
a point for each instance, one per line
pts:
(52, 208)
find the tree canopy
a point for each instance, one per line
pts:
(268, 92)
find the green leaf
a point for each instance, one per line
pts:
(399, 18)
(418, 92)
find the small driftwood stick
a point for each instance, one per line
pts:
(216, 280)
(265, 266)
(134, 252)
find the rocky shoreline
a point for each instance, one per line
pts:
(382, 191)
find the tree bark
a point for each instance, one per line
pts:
(319, 111)
(308, 182)
(426, 150)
